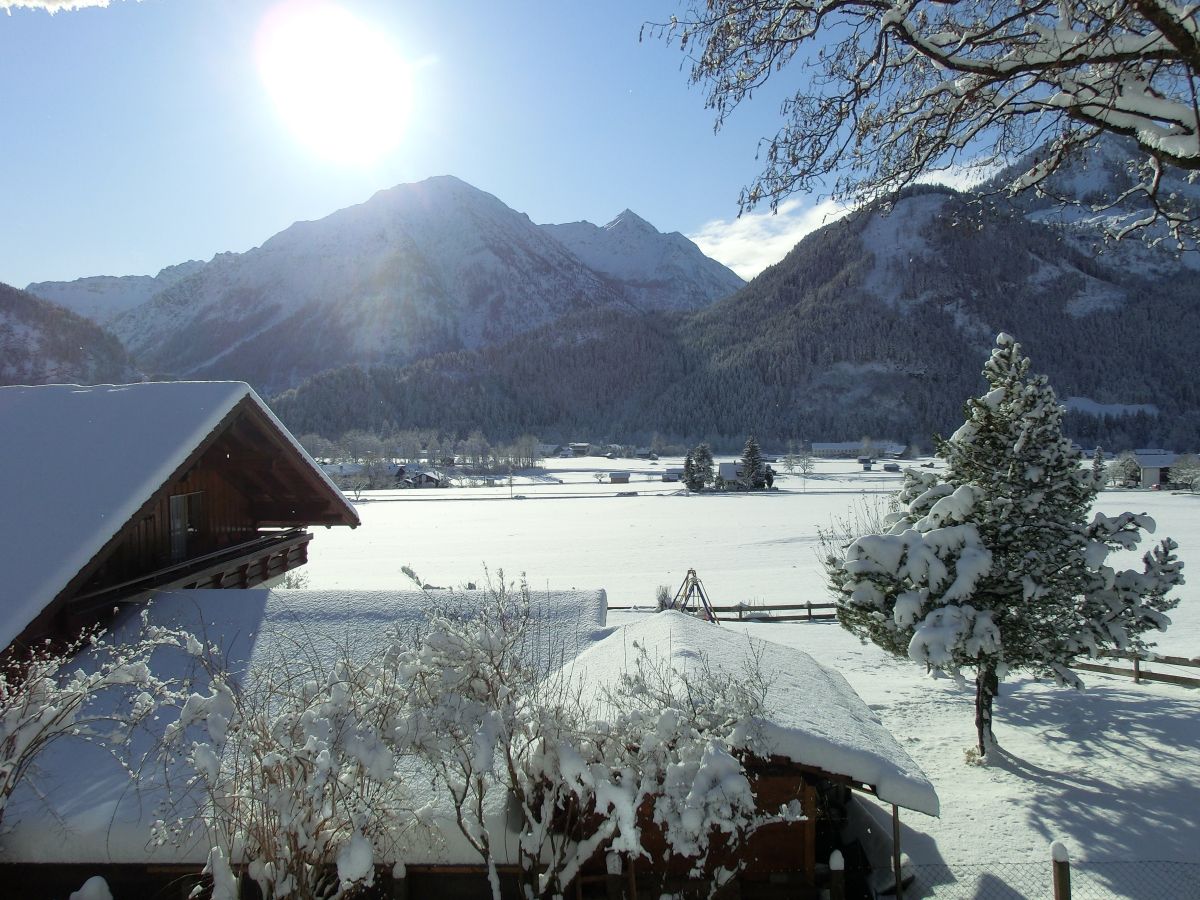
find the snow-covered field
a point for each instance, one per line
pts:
(1113, 772)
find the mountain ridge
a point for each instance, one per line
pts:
(415, 270)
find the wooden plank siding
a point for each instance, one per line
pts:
(145, 545)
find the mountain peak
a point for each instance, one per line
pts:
(628, 220)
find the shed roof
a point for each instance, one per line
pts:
(814, 717)
(82, 791)
(82, 460)
(1155, 459)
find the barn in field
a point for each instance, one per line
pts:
(113, 491)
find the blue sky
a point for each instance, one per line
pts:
(142, 134)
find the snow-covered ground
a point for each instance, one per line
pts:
(1113, 772)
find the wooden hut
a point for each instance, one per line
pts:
(818, 743)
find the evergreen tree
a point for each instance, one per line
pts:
(1099, 473)
(690, 477)
(702, 459)
(752, 465)
(994, 565)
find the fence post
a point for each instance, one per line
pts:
(837, 876)
(896, 865)
(810, 610)
(613, 882)
(1062, 871)
(1137, 668)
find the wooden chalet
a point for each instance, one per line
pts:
(111, 492)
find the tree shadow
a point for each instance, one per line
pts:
(1127, 797)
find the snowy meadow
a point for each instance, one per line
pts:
(1111, 772)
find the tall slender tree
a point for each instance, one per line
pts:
(702, 458)
(752, 464)
(994, 565)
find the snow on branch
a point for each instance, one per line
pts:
(890, 90)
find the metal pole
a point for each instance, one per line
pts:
(896, 850)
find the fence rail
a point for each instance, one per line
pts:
(795, 612)
(1139, 674)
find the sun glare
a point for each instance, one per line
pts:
(339, 84)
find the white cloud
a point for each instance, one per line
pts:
(755, 240)
(51, 6)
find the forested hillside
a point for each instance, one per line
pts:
(43, 343)
(872, 325)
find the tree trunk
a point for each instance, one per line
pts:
(987, 685)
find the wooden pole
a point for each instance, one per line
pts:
(1062, 871)
(612, 879)
(837, 876)
(896, 850)
(1137, 668)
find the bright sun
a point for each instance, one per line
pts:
(339, 84)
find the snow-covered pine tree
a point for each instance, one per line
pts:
(993, 565)
(690, 481)
(752, 464)
(1099, 473)
(703, 459)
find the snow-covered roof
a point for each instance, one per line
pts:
(81, 461)
(1155, 459)
(85, 794)
(854, 447)
(814, 718)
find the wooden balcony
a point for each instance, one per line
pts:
(242, 565)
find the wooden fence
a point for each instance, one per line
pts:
(1139, 674)
(793, 612)
(818, 612)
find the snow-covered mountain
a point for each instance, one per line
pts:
(416, 270)
(873, 325)
(1089, 181)
(43, 343)
(103, 297)
(661, 271)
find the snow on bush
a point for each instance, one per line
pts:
(47, 695)
(491, 717)
(299, 769)
(302, 767)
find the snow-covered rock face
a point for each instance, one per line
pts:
(660, 271)
(1105, 170)
(416, 270)
(103, 297)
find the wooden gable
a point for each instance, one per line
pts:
(233, 514)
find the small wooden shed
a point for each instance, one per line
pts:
(818, 743)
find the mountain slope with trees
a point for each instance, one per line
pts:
(415, 271)
(43, 343)
(871, 325)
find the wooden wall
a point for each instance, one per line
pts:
(225, 520)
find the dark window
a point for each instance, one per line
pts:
(185, 523)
